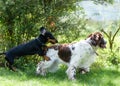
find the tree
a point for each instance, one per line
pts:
(111, 37)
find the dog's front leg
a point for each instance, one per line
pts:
(71, 72)
(40, 70)
(43, 66)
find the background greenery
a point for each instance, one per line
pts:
(20, 21)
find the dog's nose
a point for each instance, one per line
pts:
(105, 42)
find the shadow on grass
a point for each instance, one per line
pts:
(96, 77)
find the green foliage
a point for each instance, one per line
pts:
(18, 18)
(114, 59)
(71, 28)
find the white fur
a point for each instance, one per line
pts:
(82, 57)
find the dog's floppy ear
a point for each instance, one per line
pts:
(89, 35)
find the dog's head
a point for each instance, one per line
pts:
(97, 40)
(48, 36)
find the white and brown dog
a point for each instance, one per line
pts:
(75, 55)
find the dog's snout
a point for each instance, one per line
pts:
(105, 42)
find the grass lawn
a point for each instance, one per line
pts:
(27, 77)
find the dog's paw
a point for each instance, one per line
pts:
(43, 74)
(83, 72)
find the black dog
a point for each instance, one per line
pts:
(35, 46)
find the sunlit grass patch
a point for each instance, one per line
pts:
(96, 77)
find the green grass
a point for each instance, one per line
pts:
(27, 77)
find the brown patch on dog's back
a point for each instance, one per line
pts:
(64, 53)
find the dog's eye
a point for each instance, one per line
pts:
(94, 36)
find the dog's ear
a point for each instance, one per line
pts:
(89, 35)
(42, 30)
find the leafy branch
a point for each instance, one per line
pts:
(110, 37)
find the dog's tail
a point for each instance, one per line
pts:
(3, 53)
